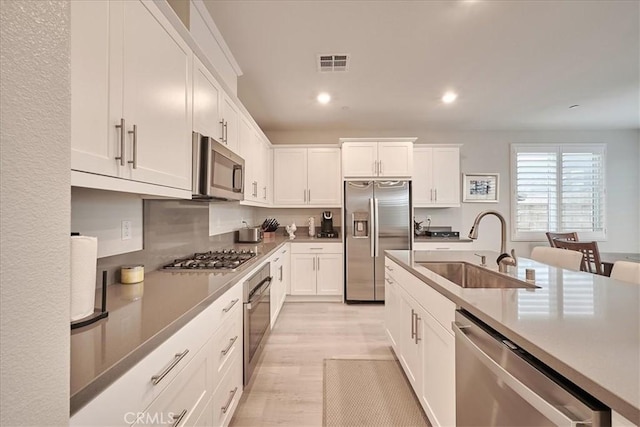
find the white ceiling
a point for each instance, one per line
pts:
(515, 64)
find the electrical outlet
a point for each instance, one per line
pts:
(127, 232)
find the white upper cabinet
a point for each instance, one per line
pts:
(306, 177)
(229, 121)
(382, 158)
(130, 63)
(206, 101)
(256, 152)
(436, 176)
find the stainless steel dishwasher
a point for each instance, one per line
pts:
(499, 384)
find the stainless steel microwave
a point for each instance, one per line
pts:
(218, 173)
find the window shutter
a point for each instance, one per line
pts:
(559, 188)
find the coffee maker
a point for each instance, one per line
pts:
(326, 228)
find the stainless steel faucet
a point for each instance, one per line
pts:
(504, 260)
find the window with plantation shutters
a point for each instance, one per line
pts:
(557, 188)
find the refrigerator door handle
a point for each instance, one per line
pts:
(376, 226)
(371, 214)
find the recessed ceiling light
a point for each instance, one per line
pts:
(449, 97)
(324, 98)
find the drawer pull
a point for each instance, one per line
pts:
(178, 357)
(178, 418)
(231, 342)
(388, 268)
(277, 259)
(232, 394)
(316, 249)
(230, 306)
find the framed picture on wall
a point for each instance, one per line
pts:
(480, 187)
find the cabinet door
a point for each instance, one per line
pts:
(323, 177)
(247, 151)
(410, 348)
(359, 159)
(422, 187)
(95, 142)
(438, 372)
(265, 180)
(187, 395)
(157, 97)
(329, 274)
(286, 273)
(230, 117)
(446, 176)
(303, 274)
(206, 101)
(289, 176)
(392, 313)
(395, 159)
(276, 288)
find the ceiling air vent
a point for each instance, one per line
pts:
(331, 63)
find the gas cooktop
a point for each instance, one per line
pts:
(226, 260)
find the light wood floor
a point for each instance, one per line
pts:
(286, 387)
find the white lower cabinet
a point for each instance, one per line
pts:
(417, 321)
(179, 383)
(316, 269)
(280, 274)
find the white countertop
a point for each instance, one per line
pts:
(584, 326)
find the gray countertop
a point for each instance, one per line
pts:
(144, 315)
(585, 326)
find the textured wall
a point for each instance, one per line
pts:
(34, 211)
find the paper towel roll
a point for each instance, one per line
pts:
(84, 256)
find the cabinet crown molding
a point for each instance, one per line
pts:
(399, 139)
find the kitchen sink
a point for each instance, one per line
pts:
(468, 275)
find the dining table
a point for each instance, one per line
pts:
(608, 259)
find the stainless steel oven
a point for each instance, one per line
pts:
(218, 173)
(257, 317)
(499, 384)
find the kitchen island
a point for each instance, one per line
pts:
(584, 326)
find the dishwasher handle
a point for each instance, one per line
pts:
(550, 411)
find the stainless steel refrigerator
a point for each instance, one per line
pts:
(377, 217)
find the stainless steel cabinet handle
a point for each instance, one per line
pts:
(436, 192)
(226, 132)
(417, 333)
(232, 394)
(281, 273)
(265, 192)
(309, 195)
(413, 325)
(178, 418)
(381, 172)
(305, 196)
(231, 342)
(388, 268)
(122, 128)
(431, 195)
(314, 264)
(389, 281)
(318, 263)
(134, 162)
(178, 357)
(222, 129)
(315, 249)
(230, 306)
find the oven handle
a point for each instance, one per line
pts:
(547, 409)
(263, 289)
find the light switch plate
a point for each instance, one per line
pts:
(127, 232)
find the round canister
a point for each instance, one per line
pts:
(131, 274)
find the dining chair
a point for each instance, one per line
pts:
(570, 260)
(591, 255)
(626, 271)
(572, 236)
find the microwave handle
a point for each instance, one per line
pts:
(237, 178)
